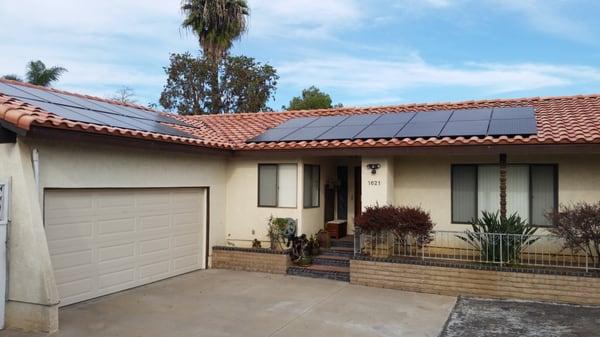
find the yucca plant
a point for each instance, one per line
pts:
(500, 239)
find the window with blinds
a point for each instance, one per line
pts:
(531, 191)
(277, 185)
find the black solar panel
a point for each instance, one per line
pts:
(327, 121)
(513, 113)
(471, 115)
(377, 131)
(465, 128)
(93, 111)
(308, 133)
(432, 116)
(521, 126)
(360, 120)
(395, 118)
(421, 129)
(438, 123)
(341, 132)
(273, 135)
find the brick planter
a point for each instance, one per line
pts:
(250, 259)
(579, 288)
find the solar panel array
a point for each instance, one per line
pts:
(440, 123)
(92, 111)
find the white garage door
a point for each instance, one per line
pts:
(106, 240)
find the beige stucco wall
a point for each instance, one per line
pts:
(425, 180)
(85, 165)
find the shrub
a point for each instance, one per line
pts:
(280, 229)
(402, 221)
(485, 237)
(579, 226)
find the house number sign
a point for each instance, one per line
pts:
(374, 182)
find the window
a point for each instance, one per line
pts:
(277, 185)
(311, 185)
(531, 191)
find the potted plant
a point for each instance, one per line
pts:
(323, 238)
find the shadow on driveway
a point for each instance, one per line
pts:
(498, 318)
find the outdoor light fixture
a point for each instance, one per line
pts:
(374, 167)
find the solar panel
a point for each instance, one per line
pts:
(432, 116)
(296, 122)
(421, 129)
(308, 133)
(471, 115)
(395, 118)
(10, 90)
(327, 121)
(360, 120)
(444, 123)
(380, 131)
(273, 135)
(341, 132)
(93, 111)
(465, 128)
(521, 126)
(513, 113)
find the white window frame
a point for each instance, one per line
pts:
(5, 195)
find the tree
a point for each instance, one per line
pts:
(312, 98)
(12, 77)
(38, 74)
(216, 23)
(124, 95)
(246, 85)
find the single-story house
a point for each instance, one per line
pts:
(105, 196)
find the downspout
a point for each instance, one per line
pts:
(35, 158)
(503, 169)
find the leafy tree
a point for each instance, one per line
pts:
(38, 74)
(124, 95)
(216, 23)
(312, 98)
(12, 77)
(245, 85)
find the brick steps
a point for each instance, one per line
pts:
(332, 263)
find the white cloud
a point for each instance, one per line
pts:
(383, 77)
(302, 18)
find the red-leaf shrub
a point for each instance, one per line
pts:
(402, 221)
(579, 226)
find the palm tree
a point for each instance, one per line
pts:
(12, 77)
(38, 74)
(217, 23)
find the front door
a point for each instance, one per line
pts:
(357, 191)
(342, 193)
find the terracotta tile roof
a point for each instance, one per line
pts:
(560, 120)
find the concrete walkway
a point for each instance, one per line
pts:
(228, 303)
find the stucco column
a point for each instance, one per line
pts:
(377, 181)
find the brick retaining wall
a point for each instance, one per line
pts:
(473, 282)
(250, 259)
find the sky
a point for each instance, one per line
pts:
(361, 52)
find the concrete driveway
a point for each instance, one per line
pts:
(229, 303)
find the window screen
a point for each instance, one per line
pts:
(311, 185)
(517, 191)
(543, 193)
(464, 193)
(267, 185)
(488, 191)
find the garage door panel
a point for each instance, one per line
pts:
(129, 237)
(116, 252)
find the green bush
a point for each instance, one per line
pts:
(488, 236)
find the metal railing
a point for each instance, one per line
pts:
(506, 250)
